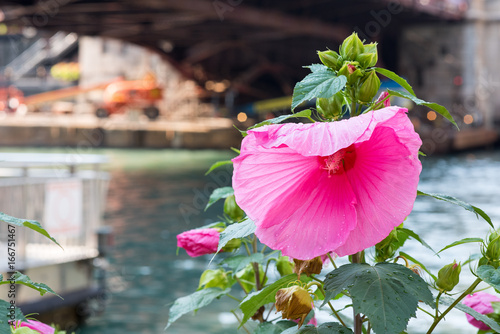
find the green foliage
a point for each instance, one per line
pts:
(396, 78)
(326, 328)
(237, 263)
(386, 293)
(409, 257)
(277, 328)
(255, 300)
(215, 278)
(461, 242)
(303, 113)
(5, 316)
(434, 106)
(490, 275)
(218, 194)
(447, 301)
(238, 230)
(193, 302)
(232, 210)
(456, 201)
(248, 277)
(25, 280)
(320, 83)
(217, 165)
(31, 224)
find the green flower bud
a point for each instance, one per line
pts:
(232, 209)
(214, 278)
(351, 71)
(284, 266)
(232, 245)
(369, 87)
(247, 277)
(367, 59)
(330, 108)
(330, 59)
(448, 276)
(493, 249)
(351, 47)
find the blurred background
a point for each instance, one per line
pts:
(111, 112)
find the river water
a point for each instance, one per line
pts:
(154, 195)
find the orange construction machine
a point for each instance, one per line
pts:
(140, 94)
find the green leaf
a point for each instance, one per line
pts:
(5, 316)
(387, 293)
(316, 67)
(219, 193)
(409, 257)
(490, 275)
(277, 328)
(303, 113)
(396, 78)
(31, 224)
(460, 242)
(255, 300)
(321, 83)
(326, 328)
(434, 106)
(416, 237)
(238, 230)
(461, 203)
(447, 301)
(218, 164)
(237, 263)
(193, 302)
(20, 278)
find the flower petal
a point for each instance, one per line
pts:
(384, 180)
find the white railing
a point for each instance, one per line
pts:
(63, 194)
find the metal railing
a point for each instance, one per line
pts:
(63, 194)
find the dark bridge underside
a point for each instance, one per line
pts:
(259, 45)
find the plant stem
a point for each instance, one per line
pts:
(462, 296)
(237, 318)
(233, 297)
(331, 260)
(337, 315)
(358, 322)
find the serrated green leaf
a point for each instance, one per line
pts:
(20, 278)
(237, 263)
(461, 242)
(434, 106)
(387, 293)
(316, 67)
(447, 301)
(277, 328)
(237, 230)
(218, 164)
(218, 194)
(396, 78)
(193, 302)
(490, 275)
(326, 328)
(5, 316)
(255, 300)
(31, 224)
(456, 201)
(321, 83)
(409, 257)
(417, 237)
(303, 113)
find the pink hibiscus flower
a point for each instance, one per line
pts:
(37, 326)
(199, 241)
(480, 302)
(329, 187)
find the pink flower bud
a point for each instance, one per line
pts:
(480, 302)
(199, 242)
(387, 102)
(37, 326)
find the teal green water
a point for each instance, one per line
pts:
(156, 194)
